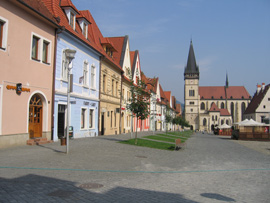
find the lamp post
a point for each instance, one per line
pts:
(70, 55)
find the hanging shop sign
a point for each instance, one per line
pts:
(19, 89)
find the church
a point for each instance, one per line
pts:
(209, 106)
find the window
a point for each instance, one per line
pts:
(216, 118)
(93, 77)
(116, 89)
(114, 119)
(40, 49)
(222, 122)
(191, 93)
(222, 105)
(213, 118)
(3, 33)
(72, 20)
(104, 83)
(112, 87)
(85, 74)
(191, 110)
(64, 67)
(204, 122)
(191, 103)
(111, 119)
(91, 118)
(45, 52)
(35, 42)
(83, 118)
(202, 106)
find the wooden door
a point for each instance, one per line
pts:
(35, 117)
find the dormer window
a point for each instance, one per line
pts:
(71, 13)
(84, 29)
(72, 20)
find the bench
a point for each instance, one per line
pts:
(179, 144)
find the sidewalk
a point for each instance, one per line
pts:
(102, 170)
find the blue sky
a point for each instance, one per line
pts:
(230, 36)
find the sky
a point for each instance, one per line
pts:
(228, 36)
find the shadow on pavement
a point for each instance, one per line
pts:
(35, 188)
(218, 197)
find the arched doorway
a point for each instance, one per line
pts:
(35, 116)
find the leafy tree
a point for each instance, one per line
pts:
(139, 102)
(168, 117)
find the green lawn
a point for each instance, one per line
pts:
(150, 144)
(156, 140)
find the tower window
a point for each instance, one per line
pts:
(191, 93)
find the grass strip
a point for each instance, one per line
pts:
(150, 144)
(165, 139)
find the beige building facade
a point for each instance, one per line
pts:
(110, 98)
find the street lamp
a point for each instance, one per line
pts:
(70, 55)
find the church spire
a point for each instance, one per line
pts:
(191, 70)
(227, 81)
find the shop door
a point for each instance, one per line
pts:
(35, 117)
(61, 120)
(102, 124)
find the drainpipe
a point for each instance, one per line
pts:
(99, 107)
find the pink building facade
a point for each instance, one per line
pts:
(26, 74)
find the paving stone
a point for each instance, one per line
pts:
(210, 169)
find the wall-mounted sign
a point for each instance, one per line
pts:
(18, 88)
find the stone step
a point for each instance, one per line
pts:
(38, 141)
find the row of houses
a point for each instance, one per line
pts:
(54, 56)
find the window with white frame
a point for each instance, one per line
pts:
(45, 52)
(85, 73)
(83, 118)
(84, 29)
(93, 77)
(72, 20)
(64, 74)
(91, 118)
(3, 33)
(40, 49)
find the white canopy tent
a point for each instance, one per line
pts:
(250, 122)
(223, 126)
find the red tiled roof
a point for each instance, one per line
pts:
(56, 10)
(39, 7)
(218, 92)
(94, 35)
(178, 108)
(68, 3)
(118, 43)
(256, 100)
(132, 56)
(223, 112)
(214, 108)
(168, 95)
(85, 15)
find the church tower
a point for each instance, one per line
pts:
(192, 99)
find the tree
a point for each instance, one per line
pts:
(168, 117)
(139, 102)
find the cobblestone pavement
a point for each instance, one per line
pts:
(209, 169)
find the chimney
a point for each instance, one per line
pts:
(258, 88)
(263, 86)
